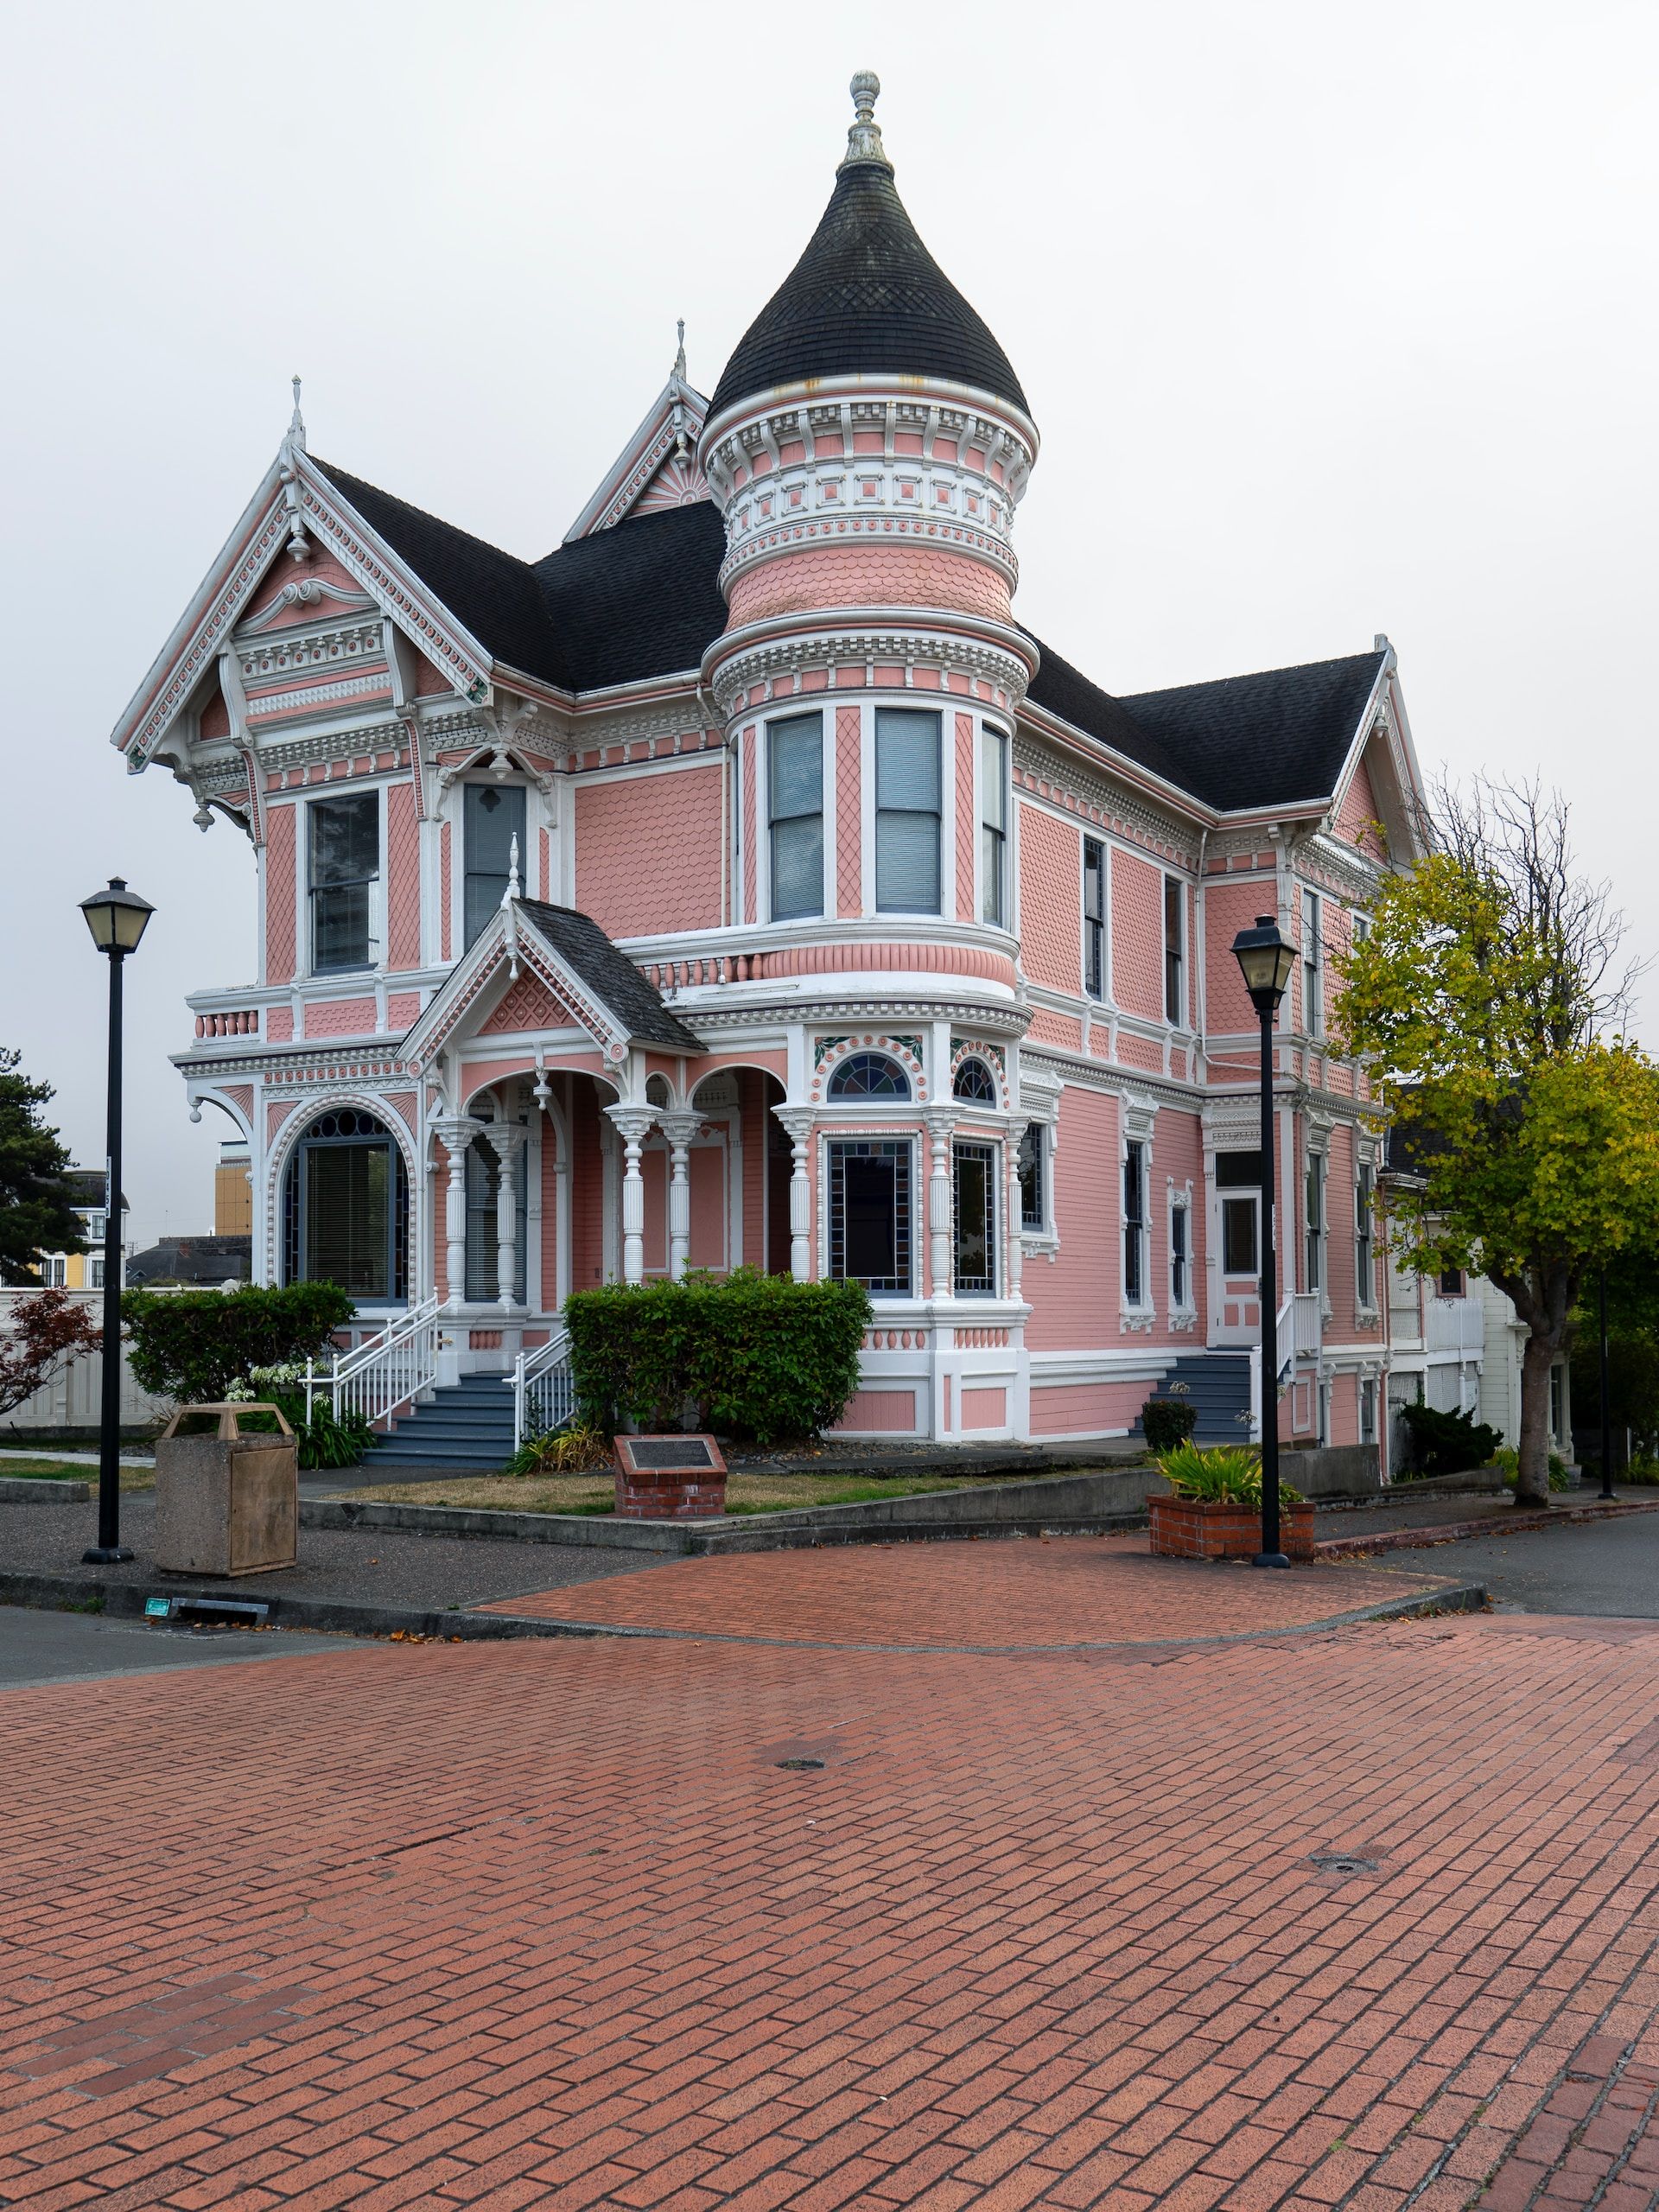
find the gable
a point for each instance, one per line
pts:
(528, 1005)
(657, 467)
(1359, 817)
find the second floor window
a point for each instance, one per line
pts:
(993, 826)
(1315, 1203)
(1364, 1257)
(1033, 1215)
(1174, 949)
(1094, 918)
(1313, 964)
(794, 815)
(345, 869)
(493, 815)
(1134, 1226)
(906, 811)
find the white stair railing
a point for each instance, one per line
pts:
(543, 1388)
(384, 1373)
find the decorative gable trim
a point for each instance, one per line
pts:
(293, 495)
(658, 467)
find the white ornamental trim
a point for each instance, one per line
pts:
(214, 625)
(318, 695)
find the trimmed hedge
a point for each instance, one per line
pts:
(194, 1346)
(1448, 1444)
(759, 1356)
(1167, 1422)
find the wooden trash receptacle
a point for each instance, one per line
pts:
(226, 1503)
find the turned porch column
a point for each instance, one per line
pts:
(798, 1123)
(507, 1140)
(679, 1129)
(633, 1124)
(940, 1125)
(455, 1133)
(1014, 1209)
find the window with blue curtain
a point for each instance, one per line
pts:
(794, 815)
(907, 787)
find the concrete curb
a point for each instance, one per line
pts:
(1451, 1532)
(40, 1490)
(125, 1601)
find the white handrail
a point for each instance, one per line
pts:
(387, 1371)
(543, 1388)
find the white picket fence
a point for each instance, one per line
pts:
(75, 1397)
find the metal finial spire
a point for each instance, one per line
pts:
(864, 139)
(679, 358)
(297, 425)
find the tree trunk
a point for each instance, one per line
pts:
(1537, 1357)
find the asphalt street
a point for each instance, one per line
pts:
(1610, 1568)
(37, 1647)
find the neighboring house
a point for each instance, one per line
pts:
(204, 1261)
(740, 881)
(85, 1270)
(233, 1192)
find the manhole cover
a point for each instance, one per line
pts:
(1342, 1862)
(801, 1766)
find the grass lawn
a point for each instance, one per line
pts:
(595, 1493)
(58, 1471)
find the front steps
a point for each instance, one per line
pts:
(466, 1424)
(1218, 1385)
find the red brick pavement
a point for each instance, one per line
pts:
(547, 1924)
(1008, 1596)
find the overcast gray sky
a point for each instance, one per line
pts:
(1334, 319)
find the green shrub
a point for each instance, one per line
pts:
(194, 1346)
(1226, 1474)
(758, 1356)
(1448, 1444)
(1509, 1461)
(1167, 1422)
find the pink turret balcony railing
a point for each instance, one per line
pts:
(234, 1021)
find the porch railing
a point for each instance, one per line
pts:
(386, 1372)
(543, 1388)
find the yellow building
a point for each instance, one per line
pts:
(85, 1270)
(234, 1192)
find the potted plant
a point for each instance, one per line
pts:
(1213, 1507)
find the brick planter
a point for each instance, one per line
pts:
(1186, 1528)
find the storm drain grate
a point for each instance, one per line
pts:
(1344, 1862)
(801, 1766)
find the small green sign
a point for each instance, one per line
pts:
(157, 1609)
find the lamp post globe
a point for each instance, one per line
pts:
(1265, 961)
(116, 919)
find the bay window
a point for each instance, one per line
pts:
(993, 826)
(870, 1213)
(974, 1177)
(345, 869)
(493, 814)
(907, 787)
(794, 815)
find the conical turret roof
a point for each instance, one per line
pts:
(867, 297)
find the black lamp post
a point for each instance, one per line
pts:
(116, 919)
(1265, 961)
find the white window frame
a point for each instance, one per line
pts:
(1313, 962)
(1099, 996)
(764, 818)
(1368, 1401)
(53, 1270)
(988, 736)
(946, 851)
(1365, 1231)
(1138, 1301)
(1180, 1202)
(1179, 1019)
(354, 788)
(458, 835)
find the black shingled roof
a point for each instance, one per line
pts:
(638, 601)
(643, 599)
(611, 976)
(867, 297)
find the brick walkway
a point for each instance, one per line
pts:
(549, 1924)
(1015, 1595)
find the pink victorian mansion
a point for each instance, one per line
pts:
(740, 882)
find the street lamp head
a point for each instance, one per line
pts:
(1265, 960)
(116, 918)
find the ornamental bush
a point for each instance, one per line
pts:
(1448, 1444)
(1167, 1422)
(758, 1356)
(1226, 1474)
(195, 1345)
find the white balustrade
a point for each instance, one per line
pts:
(386, 1372)
(543, 1388)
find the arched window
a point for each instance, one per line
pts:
(973, 1083)
(870, 1074)
(346, 1208)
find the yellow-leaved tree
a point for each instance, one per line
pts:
(1487, 1002)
